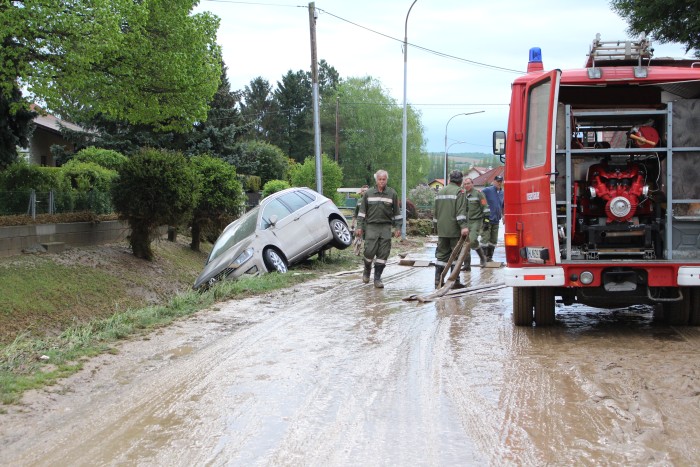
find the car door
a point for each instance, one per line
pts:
(287, 228)
(306, 210)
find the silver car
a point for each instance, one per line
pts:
(286, 228)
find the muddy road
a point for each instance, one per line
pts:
(335, 372)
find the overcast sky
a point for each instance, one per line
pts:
(471, 46)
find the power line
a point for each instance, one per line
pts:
(425, 49)
(434, 52)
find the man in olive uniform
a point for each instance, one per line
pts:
(494, 198)
(477, 207)
(379, 210)
(450, 216)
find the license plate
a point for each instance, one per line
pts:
(536, 254)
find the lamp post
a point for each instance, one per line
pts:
(405, 128)
(446, 125)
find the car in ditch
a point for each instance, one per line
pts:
(286, 228)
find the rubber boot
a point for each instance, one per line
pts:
(467, 266)
(489, 253)
(457, 284)
(438, 273)
(482, 257)
(366, 273)
(378, 269)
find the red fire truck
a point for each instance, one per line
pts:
(602, 184)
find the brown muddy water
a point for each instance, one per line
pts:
(335, 372)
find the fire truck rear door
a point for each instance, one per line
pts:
(538, 172)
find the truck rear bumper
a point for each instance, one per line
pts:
(534, 277)
(689, 276)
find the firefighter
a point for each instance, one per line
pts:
(494, 199)
(450, 216)
(379, 209)
(476, 206)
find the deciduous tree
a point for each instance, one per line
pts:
(145, 62)
(371, 135)
(665, 20)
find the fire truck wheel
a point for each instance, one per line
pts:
(678, 313)
(694, 319)
(523, 298)
(544, 306)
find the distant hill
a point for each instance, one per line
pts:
(461, 160)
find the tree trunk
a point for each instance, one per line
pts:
(196, 236)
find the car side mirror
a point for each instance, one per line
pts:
(273, 220)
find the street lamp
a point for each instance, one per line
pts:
(405, 129)
(448, 122)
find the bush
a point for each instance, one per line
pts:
(20, 178)
(251, 183)
(273, 186)
(91, 184)
(154, 188)
(221, 198)
(419, 227)
(265, 160)
(305, 175)
(103, 157)
(422, 195)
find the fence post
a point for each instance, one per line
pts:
(31, 210)
(52, 202)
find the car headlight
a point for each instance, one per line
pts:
(243, 257)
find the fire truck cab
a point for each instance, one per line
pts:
(602, 184)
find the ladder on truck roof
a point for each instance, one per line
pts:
(611, 53)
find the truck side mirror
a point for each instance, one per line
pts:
(499, 145)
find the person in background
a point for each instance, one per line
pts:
(379, 210)
(450, 217)
(494, 200)
(476, 206)
(357, 206)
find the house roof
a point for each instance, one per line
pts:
(51, 123)
(441, 181)
(486, 178)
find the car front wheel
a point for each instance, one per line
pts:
(274, 261)
(342, 238)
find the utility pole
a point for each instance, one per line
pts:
(337, 122)
(314, 80)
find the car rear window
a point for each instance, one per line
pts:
(294, 201)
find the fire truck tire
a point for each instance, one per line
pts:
(523, 302)
(694, 319)
(678, 313)
(544, 306)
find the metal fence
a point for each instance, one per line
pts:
(32, 202)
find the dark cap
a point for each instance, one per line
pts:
(498, 178)
(456, 176)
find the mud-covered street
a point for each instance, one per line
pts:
(335, 372)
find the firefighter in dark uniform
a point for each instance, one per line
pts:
(379, 210)
(494, 198)
(477, 207)
(450, 216)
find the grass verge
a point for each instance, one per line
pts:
(34, 359)
(31, 361)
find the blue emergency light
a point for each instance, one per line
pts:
(536, 54)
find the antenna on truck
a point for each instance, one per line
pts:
(618, 51)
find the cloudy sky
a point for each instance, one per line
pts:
(462, 55)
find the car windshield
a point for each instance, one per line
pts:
(241, 228)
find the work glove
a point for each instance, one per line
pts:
(487, 221)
